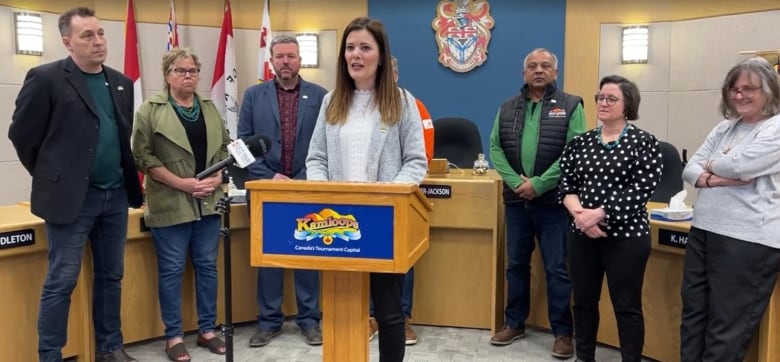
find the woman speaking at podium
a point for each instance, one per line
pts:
(369, 130)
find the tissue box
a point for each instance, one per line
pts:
(667, 214)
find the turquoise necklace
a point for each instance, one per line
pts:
(191, 114)
(616, 142)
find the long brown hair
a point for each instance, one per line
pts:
(387, 96)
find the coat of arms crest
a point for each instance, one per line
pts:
(462, 33)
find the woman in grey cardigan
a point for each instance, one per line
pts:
(733, 250)
(369, 130)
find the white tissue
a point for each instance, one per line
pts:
(678, 201)
(676, 211)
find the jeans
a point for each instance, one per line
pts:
(386, 291)
(726, 286)
(270, 292)
(173, 243)
(623, 260)
(102, 220)
(406, 297)
(548, 222)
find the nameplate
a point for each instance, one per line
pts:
(328, 230)
(675, 239)
(437, 191)
(17, 238)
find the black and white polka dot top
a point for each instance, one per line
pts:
(619, 176)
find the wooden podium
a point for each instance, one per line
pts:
(346, 230)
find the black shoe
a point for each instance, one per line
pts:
(118, 355)
(313, 336)
(262, 337)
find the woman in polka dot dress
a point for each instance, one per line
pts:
(733, 251)
(607, 176)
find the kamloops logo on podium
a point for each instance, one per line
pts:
(354, 231)
(327, 225)
(17, 238)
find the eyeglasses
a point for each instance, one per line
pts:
(609, 99)
(746, 92)
(182, 72)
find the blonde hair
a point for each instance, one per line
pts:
(173, 55)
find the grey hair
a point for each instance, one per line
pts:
(283, 39)
(542, 50)
(770, 86)
(171, 56)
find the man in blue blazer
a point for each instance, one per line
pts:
(286, 111)
(71, 131)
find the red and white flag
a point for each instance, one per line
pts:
(264, 70)
(224, 89)
(173, 31)
(132, 70)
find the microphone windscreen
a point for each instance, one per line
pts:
(258, 145)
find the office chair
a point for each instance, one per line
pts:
(457, 140)
(671, 176)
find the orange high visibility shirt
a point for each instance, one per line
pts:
(427, 124)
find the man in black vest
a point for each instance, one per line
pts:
(528, 137)
(71, 130)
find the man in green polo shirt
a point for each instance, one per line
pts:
(529, 134)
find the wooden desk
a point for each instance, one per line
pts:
(22, 273)
(661, 303)
(460, 280)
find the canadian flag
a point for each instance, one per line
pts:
(224, 89)
(264, 70)
(131, 69)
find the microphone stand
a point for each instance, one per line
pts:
(223, 207)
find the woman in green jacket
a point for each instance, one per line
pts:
(177, 134)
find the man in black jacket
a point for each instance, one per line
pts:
(71, 130)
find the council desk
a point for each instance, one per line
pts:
(459, 281)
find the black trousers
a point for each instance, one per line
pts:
(726, 287)
(386, 291)
(623, 260)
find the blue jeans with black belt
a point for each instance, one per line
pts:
(548, 223)
(102, 220)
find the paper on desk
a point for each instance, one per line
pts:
(676, 211)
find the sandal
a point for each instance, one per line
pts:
(177, 352)
(214, 344)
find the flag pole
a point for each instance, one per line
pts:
(223, 206)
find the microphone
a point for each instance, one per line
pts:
(242, 152)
